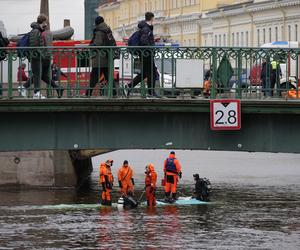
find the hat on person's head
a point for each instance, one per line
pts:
(99, 19)
(109, 162)
(172, 153)
(125, 162)
(196, 176)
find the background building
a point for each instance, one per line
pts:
(252, 23)
(176, 20)
(209, 22)
(90, 14)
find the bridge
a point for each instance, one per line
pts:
(179, 119)
(112, 124)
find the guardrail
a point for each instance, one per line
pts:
(201, 72)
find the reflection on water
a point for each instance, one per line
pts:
(242, 218)
(252, 215)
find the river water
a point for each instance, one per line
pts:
(255, 205)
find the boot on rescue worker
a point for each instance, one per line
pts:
(150, 185)
(106, 181)
(126, 180)
(172, 171)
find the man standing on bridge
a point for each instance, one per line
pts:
(172, 170)
(126, 181)
(106, 181)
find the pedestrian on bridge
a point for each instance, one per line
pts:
(102, 36)
(276, 75)
(126, 180)
(106, 180)
(172, 171)
(146, 55)
(40, 59)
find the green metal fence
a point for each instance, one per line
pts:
(157, 72)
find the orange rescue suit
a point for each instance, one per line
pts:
(106, 180)
(172, 169)
(125, 177)
(150, 185)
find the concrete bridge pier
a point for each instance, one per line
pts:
(46, 168)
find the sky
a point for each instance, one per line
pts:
(17, 15)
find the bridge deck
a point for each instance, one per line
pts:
(102, 104)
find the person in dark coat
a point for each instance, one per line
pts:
(100, 60)
(40, 60)
(147, 55)
(265, 71)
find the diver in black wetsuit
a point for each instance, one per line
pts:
(128, 201)
(201, 188)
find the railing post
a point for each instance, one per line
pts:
(268, 77)
(10, 70)
(297, 76)
(143, 88)
(239, 73)
(111, 73)
(1, 77)
(214, 73)
(162, 70)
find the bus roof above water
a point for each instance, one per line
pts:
(281, 44)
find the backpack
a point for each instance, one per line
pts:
(24, 42)
(134, 39)
(3, 43)
(109, 41)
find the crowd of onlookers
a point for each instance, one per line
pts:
(41, 63)
(102, 36)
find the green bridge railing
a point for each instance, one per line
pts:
(200, 72)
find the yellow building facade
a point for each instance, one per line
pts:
(176, 20)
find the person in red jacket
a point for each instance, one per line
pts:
(150, 185)
(172, 171)
(22, 76)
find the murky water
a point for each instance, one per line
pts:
(256, 205)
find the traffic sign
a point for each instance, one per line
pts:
(225, 114)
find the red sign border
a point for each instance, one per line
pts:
(239, 126)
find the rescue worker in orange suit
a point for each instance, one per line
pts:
(172, 171)
(150, 185)
(106, 181)
(126, 181)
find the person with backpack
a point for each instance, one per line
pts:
(102, 36)
(144, 37)
(172, 171)
(40, 60)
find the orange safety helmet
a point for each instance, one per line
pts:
(150, 167)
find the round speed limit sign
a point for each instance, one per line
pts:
(225, 114)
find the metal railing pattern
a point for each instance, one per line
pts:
(244, 73)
